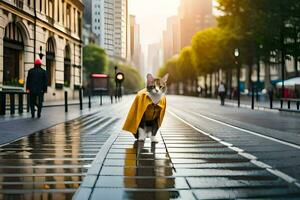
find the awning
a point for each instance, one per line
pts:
(290, 82)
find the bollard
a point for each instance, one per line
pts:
(111, 99)
(20, 103)
(66, 101)
(12, 103)
(271, 101)
(252, 99)
(281, 103)
(80, 98)
(90, 103)
(289, 104)
(2, 103)
(298, 105)
(100, 98)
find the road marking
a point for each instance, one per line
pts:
(248, 131)
(249, 156)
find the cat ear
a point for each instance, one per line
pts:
(149, 78)
(165, 78)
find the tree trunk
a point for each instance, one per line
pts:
(205, 85)
(230, 83)
(295, 54)
(267, 75)
(210, 84)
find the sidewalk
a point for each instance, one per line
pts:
(185, 164)
(17, 126)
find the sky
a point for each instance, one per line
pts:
(151, 15)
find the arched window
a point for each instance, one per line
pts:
(67, 66)
(50, 60)
(13, 50)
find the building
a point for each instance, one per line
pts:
(121, 25)
(194, 16)
(51, 28)
(135, 44)
(87, 14)
(109, 23)
(171, 38)
(103, 23)
(88, 37)
(155, 57)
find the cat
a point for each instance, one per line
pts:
(156, 89)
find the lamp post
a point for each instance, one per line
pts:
(236, 55)
(116, 90)
(258, 71)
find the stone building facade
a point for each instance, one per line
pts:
(50, 29)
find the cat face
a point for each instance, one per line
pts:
(157, 86)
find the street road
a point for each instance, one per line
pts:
(205, 151)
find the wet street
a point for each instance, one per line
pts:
(204, 152)
(185, 164)
(51, 164)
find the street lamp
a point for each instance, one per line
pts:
(236, 55)
(119, 79)
(116, 90)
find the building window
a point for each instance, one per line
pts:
(19, 3)
(50, 59)
(67, 66)
(68, 15)
(79, 24)
(13, 51)
(50, 9)
(74, 18)
(63, 12)
(58, 11)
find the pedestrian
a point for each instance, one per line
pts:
(222, 93)
(36, 85)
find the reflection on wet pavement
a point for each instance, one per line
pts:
(52, 163)
(185, 164)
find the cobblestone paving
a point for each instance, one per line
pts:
(185, 164)
(52, 163)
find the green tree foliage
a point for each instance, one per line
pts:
(261, 29)
(185, 65)
(170, 67)
(95, 60)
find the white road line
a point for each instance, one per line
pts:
(249, 156)
(247, 131)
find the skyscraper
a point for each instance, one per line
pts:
(171, 38)
(135, 45)
(195, 15)
(109, 23)
(120, 35)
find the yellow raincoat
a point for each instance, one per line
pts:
(138, 108)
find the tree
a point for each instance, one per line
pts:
(95, 60)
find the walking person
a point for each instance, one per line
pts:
(222, 93)
(36, 85)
